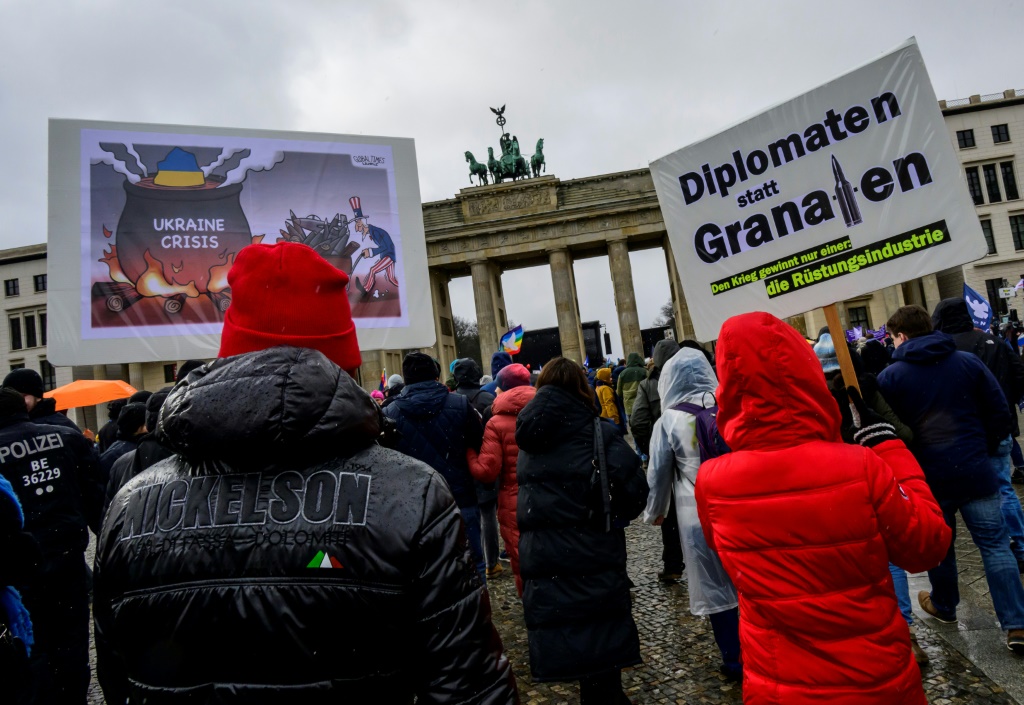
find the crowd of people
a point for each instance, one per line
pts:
(339, 544)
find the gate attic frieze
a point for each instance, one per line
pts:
(518, 224)
(485, 230)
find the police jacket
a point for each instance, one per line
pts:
(436, 427)
(283, 556)
(55, 473)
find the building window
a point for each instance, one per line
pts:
(30, 331)
(42, 327)
(858, 316)
(1009, 181)
(990, 240)
(965, 138)
(992, 183)
(170, 373)
(992, 287)
(11, 287)
(974, 185)
(39, 282)
(49, 374)
(15, 332)
(1017, 230)
(17, 365)
(1000, 133)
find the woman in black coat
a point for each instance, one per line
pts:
(572, 548)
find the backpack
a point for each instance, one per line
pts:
(709, 439)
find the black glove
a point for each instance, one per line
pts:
(846, 427)
(870, 429)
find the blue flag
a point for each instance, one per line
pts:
(586, 362)
(979, 308)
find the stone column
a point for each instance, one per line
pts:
(893, 297)
(564, 284)
(684, 326)
(625, 298)
(135, 376)
(930, 284)
(491, 321)
(444, 324)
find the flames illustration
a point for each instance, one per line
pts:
(153, 283)
(218, 280)
(110, 259)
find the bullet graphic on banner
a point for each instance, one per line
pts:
(846, 196)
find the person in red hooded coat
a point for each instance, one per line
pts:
(806, 525)
(499, 454)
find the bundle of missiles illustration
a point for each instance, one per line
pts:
(329, 238)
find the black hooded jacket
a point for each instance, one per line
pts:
(952, 317)
(45, 412)
(576, 595)
(283, 557)
(467, 377)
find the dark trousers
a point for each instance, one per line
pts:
(671, 547)
(58, 603)
(726, 626)
(603, 689)
(489, 531)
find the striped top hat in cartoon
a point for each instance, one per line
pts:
(357, 208)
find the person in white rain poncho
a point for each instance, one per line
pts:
(672, 471)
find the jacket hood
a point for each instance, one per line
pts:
(634, 360)
(687, 377)
(951, 316)
(423, 398)
(499, 361)
(513, 401)
(925, 348)
(552, 416)
(282, 401)
(47, 406)
(467, 372)
(663, 351)
(772, 392)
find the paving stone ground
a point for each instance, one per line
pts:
(680, 657)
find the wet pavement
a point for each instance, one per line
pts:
(681, 661)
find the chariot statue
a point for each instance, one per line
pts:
(511, 164)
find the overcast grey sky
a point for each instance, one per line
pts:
(608, 85)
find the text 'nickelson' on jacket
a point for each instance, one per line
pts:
(283, 556)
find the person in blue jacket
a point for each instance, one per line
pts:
(958, 414)
(383, 250)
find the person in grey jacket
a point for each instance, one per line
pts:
(646, 412)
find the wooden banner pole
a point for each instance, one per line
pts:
(835, 328)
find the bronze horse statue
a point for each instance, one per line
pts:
(476, 169)
(537, 163)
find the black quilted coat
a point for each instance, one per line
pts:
(283, 557)
(576, 595)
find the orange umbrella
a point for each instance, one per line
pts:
(89, 392)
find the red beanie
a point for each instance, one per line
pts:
(287, 294)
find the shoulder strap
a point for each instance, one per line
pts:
(688, 408)
(601, 468)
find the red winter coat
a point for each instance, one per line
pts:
(497, 459)
(806, 526)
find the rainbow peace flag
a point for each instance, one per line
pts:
(383, 379)
(512, 341)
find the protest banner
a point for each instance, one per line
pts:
(847, 189)
(145, 222)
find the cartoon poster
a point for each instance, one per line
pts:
(163, 214)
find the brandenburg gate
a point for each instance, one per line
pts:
(485, 230)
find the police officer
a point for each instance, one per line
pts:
(42, 410)
(55, 474)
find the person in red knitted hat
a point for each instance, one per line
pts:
(287, 294)
(331, 568)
